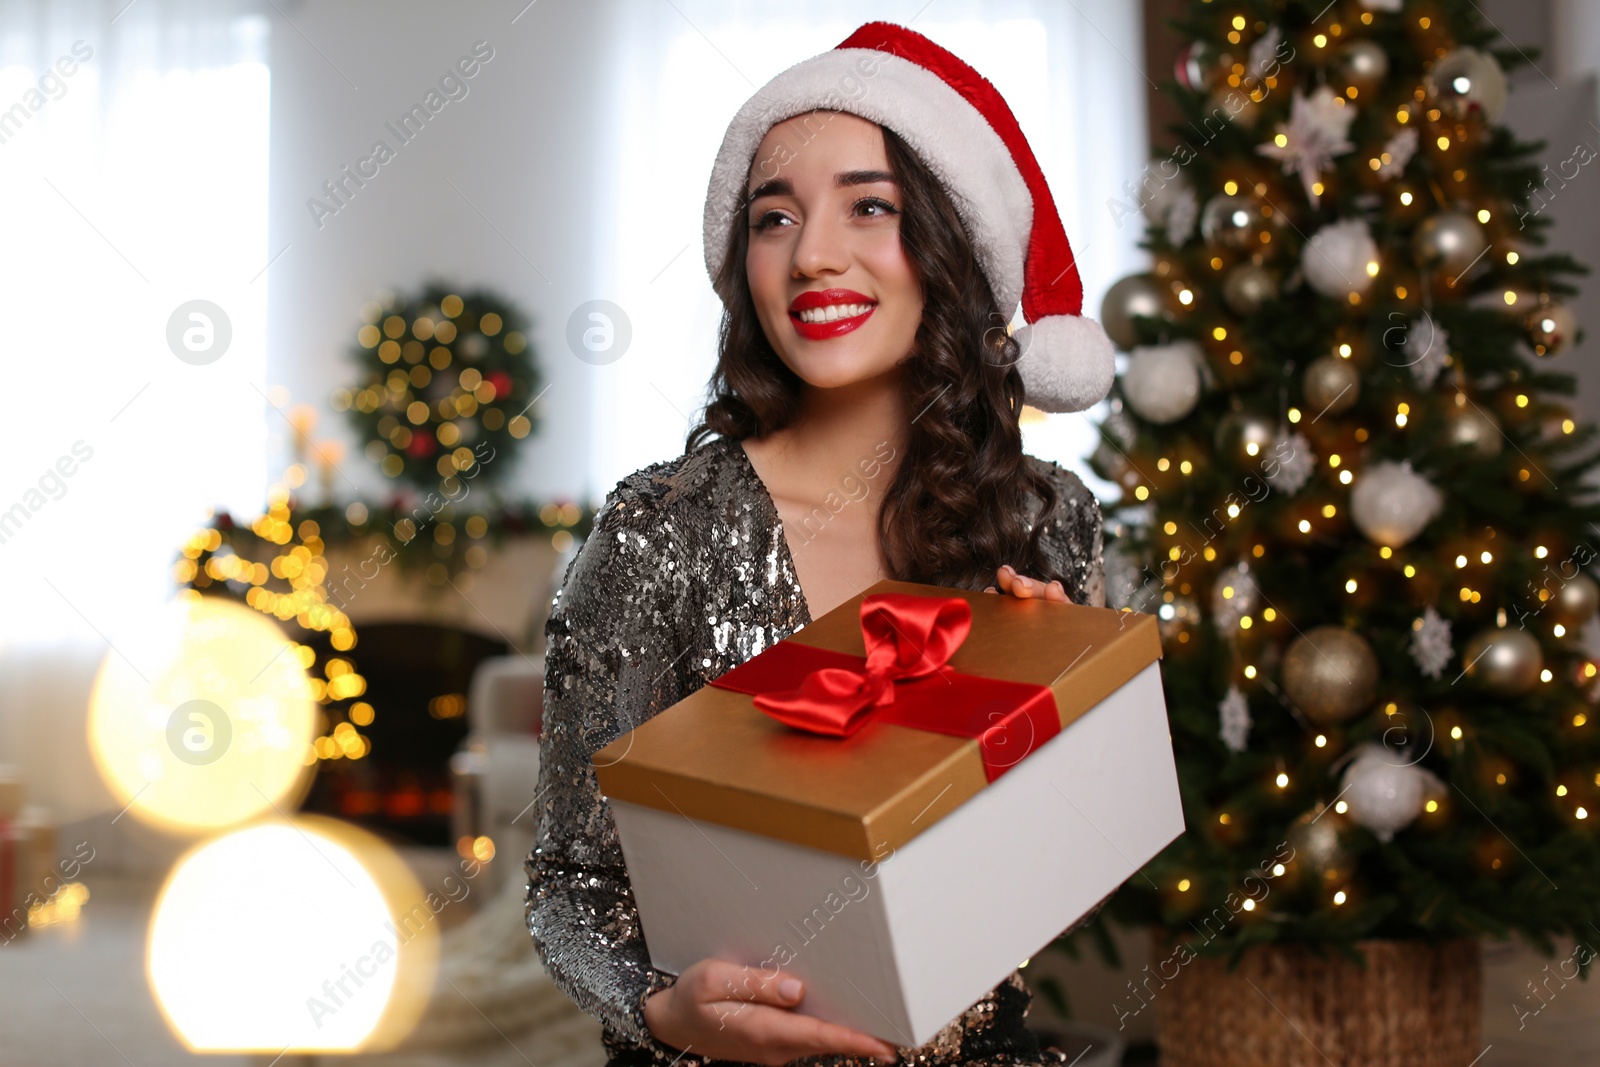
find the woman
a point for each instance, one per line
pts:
(863, 424)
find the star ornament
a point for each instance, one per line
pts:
(1316, 132)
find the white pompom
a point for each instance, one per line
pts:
(1385, 792)
(1067, 362)
(1391, 503)
(1162, 382)
(1337, 258)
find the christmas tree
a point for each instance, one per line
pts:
(1352, 495)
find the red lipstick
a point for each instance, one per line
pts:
(824, 298)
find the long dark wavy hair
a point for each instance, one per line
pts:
(956, 508)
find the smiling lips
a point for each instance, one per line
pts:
(823, 313)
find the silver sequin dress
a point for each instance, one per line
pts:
(685, 575)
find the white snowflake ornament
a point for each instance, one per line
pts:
(1264, 51)
(1235, 714)
(1426, 347)
(1430, 643)
(1316, 132)
(1397, 152)
(1173, 206)
(1291, 471)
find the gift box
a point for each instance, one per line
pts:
(902, 802)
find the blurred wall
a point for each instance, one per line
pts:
(495, 189)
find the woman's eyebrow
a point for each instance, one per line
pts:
(844, 179)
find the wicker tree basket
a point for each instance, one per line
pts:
(1415, 1004)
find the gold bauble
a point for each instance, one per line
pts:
(1364, 65)
(1247, 288)
(1551, 328)
(1330, 674)
(1136, 296)
(1468, 84)
(1575, 602)
(1449, 242)
(1316, 838)
(1506, 661)
(1245, 437)
(1469, 426)
(1332, 385)
(1232, 221)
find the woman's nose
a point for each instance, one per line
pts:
(820, 247)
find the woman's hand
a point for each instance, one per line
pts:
(722, 1011)
(1011, 582)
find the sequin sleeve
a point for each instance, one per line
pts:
(1074, 537)
(614, 641)
(1094, 593)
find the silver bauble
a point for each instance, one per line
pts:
(1468, 83)
(1449, 242)
(1332, 385)
(1162, 382)
(1176, 616)
(1244, 436)
(1385, 792)
(1551, 328)
(1247, 288)
(1392, 504)
(1135, 295)
(1506, 661)
(1233, 596)
(1364, 65)
(1469, 426)
(1575, 602)
(1231, 221)
(1330, 674)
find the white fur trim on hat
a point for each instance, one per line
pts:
(1067, 362)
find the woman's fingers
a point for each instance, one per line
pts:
(792, 1036)
(1024, 588)
(722, 980)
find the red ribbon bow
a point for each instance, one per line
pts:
(903, 679)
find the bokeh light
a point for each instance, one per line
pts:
(203, 718)
(310, 935)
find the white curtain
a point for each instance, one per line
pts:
(682, 68)
(133, 168)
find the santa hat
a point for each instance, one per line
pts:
(956, 122)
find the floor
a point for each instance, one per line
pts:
(76, 995)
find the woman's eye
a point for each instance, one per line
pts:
(878, 202)
(767, 220)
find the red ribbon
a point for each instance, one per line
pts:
(903, 679)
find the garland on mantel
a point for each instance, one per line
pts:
(277, 564)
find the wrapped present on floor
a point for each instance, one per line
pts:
(902, 801)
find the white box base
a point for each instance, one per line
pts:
(901, 948)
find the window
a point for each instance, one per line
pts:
(133, 163)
